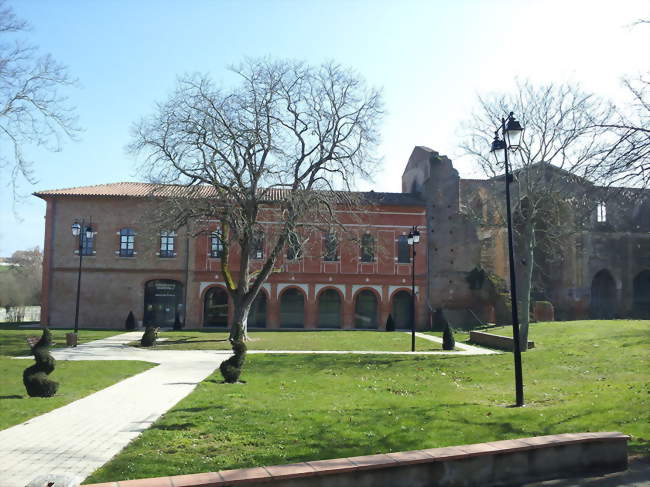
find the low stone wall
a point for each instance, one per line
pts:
(494, 341)
(495, 463)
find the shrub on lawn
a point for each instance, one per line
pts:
(129, 324)
(231, 369)
(35, 377)
(441, 323)
(390, 323)
(177, 322)
(149, 337)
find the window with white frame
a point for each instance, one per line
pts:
(601, 212)
(216, 245)
(127, 242)
(167, 241)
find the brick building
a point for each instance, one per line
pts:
(163, 276)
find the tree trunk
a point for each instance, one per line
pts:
(526, 279)
(239, 330)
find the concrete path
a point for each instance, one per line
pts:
(80, 437)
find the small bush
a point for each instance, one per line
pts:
(390, 323)
(177, 322)
(129, 324)
(448, 340)
(149, 337)
(231, 368)
(35, 378)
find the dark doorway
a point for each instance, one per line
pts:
(402, 309)
(603, 296)
(329, 309)
(365, 310)
(215, 308)
(292, 309)
(257, 313)
(641, 304)
(163, 301)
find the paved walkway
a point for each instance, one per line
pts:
(80, 437)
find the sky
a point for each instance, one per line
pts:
(431, 59)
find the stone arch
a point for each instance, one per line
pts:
(330, 307)
(215, 307)
(366, 309)
(401, 308)
(641, 295)
(292, 308)
(257, 317)
(603, 296)
(163, 302)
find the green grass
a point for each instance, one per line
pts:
(582, 376)
(13, 339)
(296, 340)
(76, 379)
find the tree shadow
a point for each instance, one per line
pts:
(173, 427)
(15, 396)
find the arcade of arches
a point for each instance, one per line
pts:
(605, 302)
(329, 309)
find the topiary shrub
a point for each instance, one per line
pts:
(390, 323)
(231, 369)
(177, 321)
(129, 324)
(149, 337)
(35, 377)
(448, 340)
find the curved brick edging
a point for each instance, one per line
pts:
(507, 461)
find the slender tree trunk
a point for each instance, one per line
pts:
(239, 330)
(527, 259)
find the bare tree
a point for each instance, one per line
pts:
(278, 148)
(551, 193)
(32, 109)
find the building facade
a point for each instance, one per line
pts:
(164, 276)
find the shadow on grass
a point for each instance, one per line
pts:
(15, 396)
(173, 427)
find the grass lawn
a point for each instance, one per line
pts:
(13, 339)
(76, 379)
(582, 376)
(296, 340)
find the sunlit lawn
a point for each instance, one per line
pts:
(76, 379)
(296, 340)
(582, 376)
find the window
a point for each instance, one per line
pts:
(127, 240)
(601, 212)
(294, 249)
(257, 247)
(403, 254)
(367, 248)
(216, 245)
(331, 248)
(167, 244)
(87, 244)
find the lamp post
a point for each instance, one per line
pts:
(413, 240)
(511, 131)
(81, 231)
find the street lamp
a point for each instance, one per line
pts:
(84, 233)
(413, 239)
(511, 131)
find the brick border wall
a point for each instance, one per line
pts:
(491, 340)
(507, 461)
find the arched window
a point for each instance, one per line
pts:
(367, 248)
(216, 245)
(603, 296)
(257, 313)
(215, 308)
(365, 310)
(163, 302)
(292, 309)
(403, 251)
(127, 242)
(329, 309)
(402, 309)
